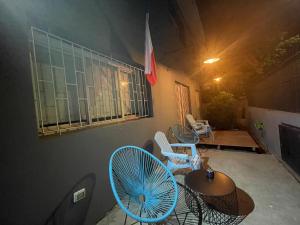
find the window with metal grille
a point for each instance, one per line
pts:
(75, 87)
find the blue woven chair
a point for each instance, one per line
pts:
(143, 186)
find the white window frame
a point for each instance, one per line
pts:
(101, 104)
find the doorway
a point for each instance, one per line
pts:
(198, 104)
(183, 101)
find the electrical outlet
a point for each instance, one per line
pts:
(79, 195)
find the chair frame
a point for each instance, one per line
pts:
(120, 203)
(200, 127)
(175, 156)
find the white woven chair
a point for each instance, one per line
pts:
(177, 160)
(200, 126)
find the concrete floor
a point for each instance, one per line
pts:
(275, 192)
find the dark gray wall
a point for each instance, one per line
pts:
(281, 89)
(36, 172)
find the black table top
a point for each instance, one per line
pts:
(219, 186)
(245, 202)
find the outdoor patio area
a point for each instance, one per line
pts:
(231, 138)
(168, 112)
(274, 190)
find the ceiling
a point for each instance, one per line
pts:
(189, 31)
(234, 29)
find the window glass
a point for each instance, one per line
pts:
(76, 87)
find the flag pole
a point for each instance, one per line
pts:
(150, 65)
(147, 7)
(147, 10)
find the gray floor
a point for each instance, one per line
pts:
(275, 192)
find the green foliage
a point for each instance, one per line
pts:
(284, 49)
(221, 111)
(267, 56)
(208, 94)
(259, 125)
(260, 62)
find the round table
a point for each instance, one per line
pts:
(217, 196)
(245, 204)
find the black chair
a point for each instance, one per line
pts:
(70, 213)
(184, 135)
(188, 209)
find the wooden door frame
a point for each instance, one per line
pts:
(189, 94)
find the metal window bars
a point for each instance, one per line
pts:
(75, 87)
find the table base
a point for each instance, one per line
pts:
(219, 210)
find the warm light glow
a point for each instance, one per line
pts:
(211, 60)
(124, 83)
(218, 79)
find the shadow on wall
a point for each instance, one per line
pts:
(70, 213)
(148, 146)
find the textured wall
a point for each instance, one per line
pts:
(276, 100)
(35, 172)
(280, 90)
(271, 119)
